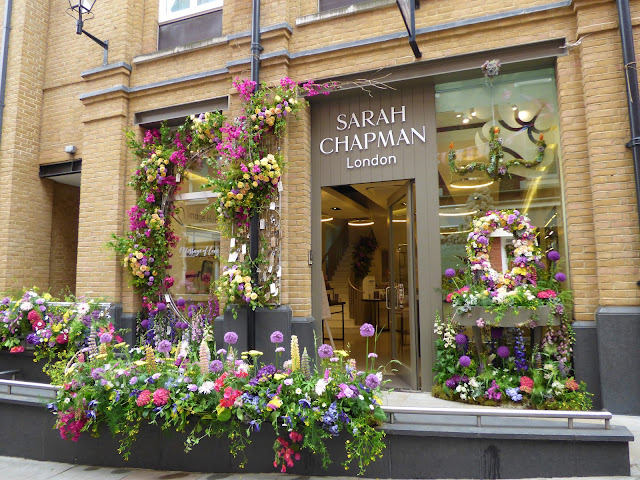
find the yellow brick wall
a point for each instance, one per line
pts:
(44, 114)
(64, 239)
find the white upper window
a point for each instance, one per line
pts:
(174, 9)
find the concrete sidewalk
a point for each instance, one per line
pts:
(12, 468)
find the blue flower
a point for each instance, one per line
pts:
(304, 403)
(91, 414)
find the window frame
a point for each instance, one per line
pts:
(191, 11)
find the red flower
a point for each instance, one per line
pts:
(526, 384)
(571, 385)
(34, 316)
(38, 324)
(144, 397)
(17, 349)
(547, 294)
(219, 383)
(160, 397)
(229, 398)
(62, 338)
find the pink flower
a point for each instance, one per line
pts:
(160, 397)
(17, 349)
(144, 397)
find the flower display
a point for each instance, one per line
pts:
(124, 387)
(499, 377)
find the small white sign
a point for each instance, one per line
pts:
(232, 243)
(280, 187)
(279, 272)
(272, 206)
(233, 256)
(244, 248)
(273, 289)
(262, 224)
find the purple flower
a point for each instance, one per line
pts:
(97, 373)
(105, 337)
(451, 383)
(503, 352)
(33, 339)
(372, 381)
(231, 338)
(133, 380)
(367, 330)
(161, 306)
(462, 339)
(181, 302)
(6, 300)
(560, 277)
(145, 323)
(277, 337)
(221, 351)
(465, 361)
(164, 346)
(215, 366)
(192, 387)
(449, 273)
(325, 351)
(280, 350)
(373, 355)
(553, 256)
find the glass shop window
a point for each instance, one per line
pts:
(523, 106)
(174, 9)
(196, 258)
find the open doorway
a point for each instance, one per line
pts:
(369, 268)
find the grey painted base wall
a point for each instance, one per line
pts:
(441, 449)
(586, 360)
(619, 353)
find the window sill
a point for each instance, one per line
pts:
(343, 12)
(150, 57)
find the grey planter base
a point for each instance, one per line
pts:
(417, 447)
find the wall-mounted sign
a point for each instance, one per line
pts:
(385, 134)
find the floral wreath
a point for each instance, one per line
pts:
(525, 255)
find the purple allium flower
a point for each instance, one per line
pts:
(449, 273)
(145, 323)
(503, 352)
(231, 338)
(560, 277)
(215, 366)
(325, 351)
(372, 381)
(181, 325)
(462, 339)
(164, 346)
(373, 355)
(181, 302)
(277, 337)
(280, 350)
(465, 361)
(367, 330)
(105, 337)
(161, 306)
(553, 256)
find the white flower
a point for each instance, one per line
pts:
(361, 397)
(26, 306)
(321, 386)
(67, 400)
(83, 309)
(473, 382)
(298, 391)
(206, 387)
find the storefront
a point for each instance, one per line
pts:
(382, 180)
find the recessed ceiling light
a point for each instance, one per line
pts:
(336, 208)
(326, 219)
(470, 183)
(465, 120)
(457, 214)
(473, 113)
(458, 115)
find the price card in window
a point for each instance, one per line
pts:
(178, 178)
(273, 289)
(279, 272)
(272, 206)
(270, 269)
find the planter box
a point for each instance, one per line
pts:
(512, 319)
(29, 370)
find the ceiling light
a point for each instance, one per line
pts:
(465, 120)
(473, 113)
(399, 220)
(471, 183)
(336, 208)
(458, 115)
(326, 219)
(514, 108)
(360, 223)
(457, 214)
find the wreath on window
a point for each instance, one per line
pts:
(526, 251)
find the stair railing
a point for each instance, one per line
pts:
(356, 303)
(331, 259)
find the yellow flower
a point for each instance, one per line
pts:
(47, 296)
(274, 403)
(255, 353)
(279, 376)
(140, 363)
(56, 328)
(342, 353)
(101, 356)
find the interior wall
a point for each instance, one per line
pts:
(64, 238)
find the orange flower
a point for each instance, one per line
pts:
(451, 146)
(496, 130)
(541, 137)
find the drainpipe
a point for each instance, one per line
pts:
(633, 100)
(254, 222)
(5, 56)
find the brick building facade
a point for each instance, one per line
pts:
(58, 93)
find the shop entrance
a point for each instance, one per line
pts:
(369, 267)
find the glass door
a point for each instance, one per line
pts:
(401, 293)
